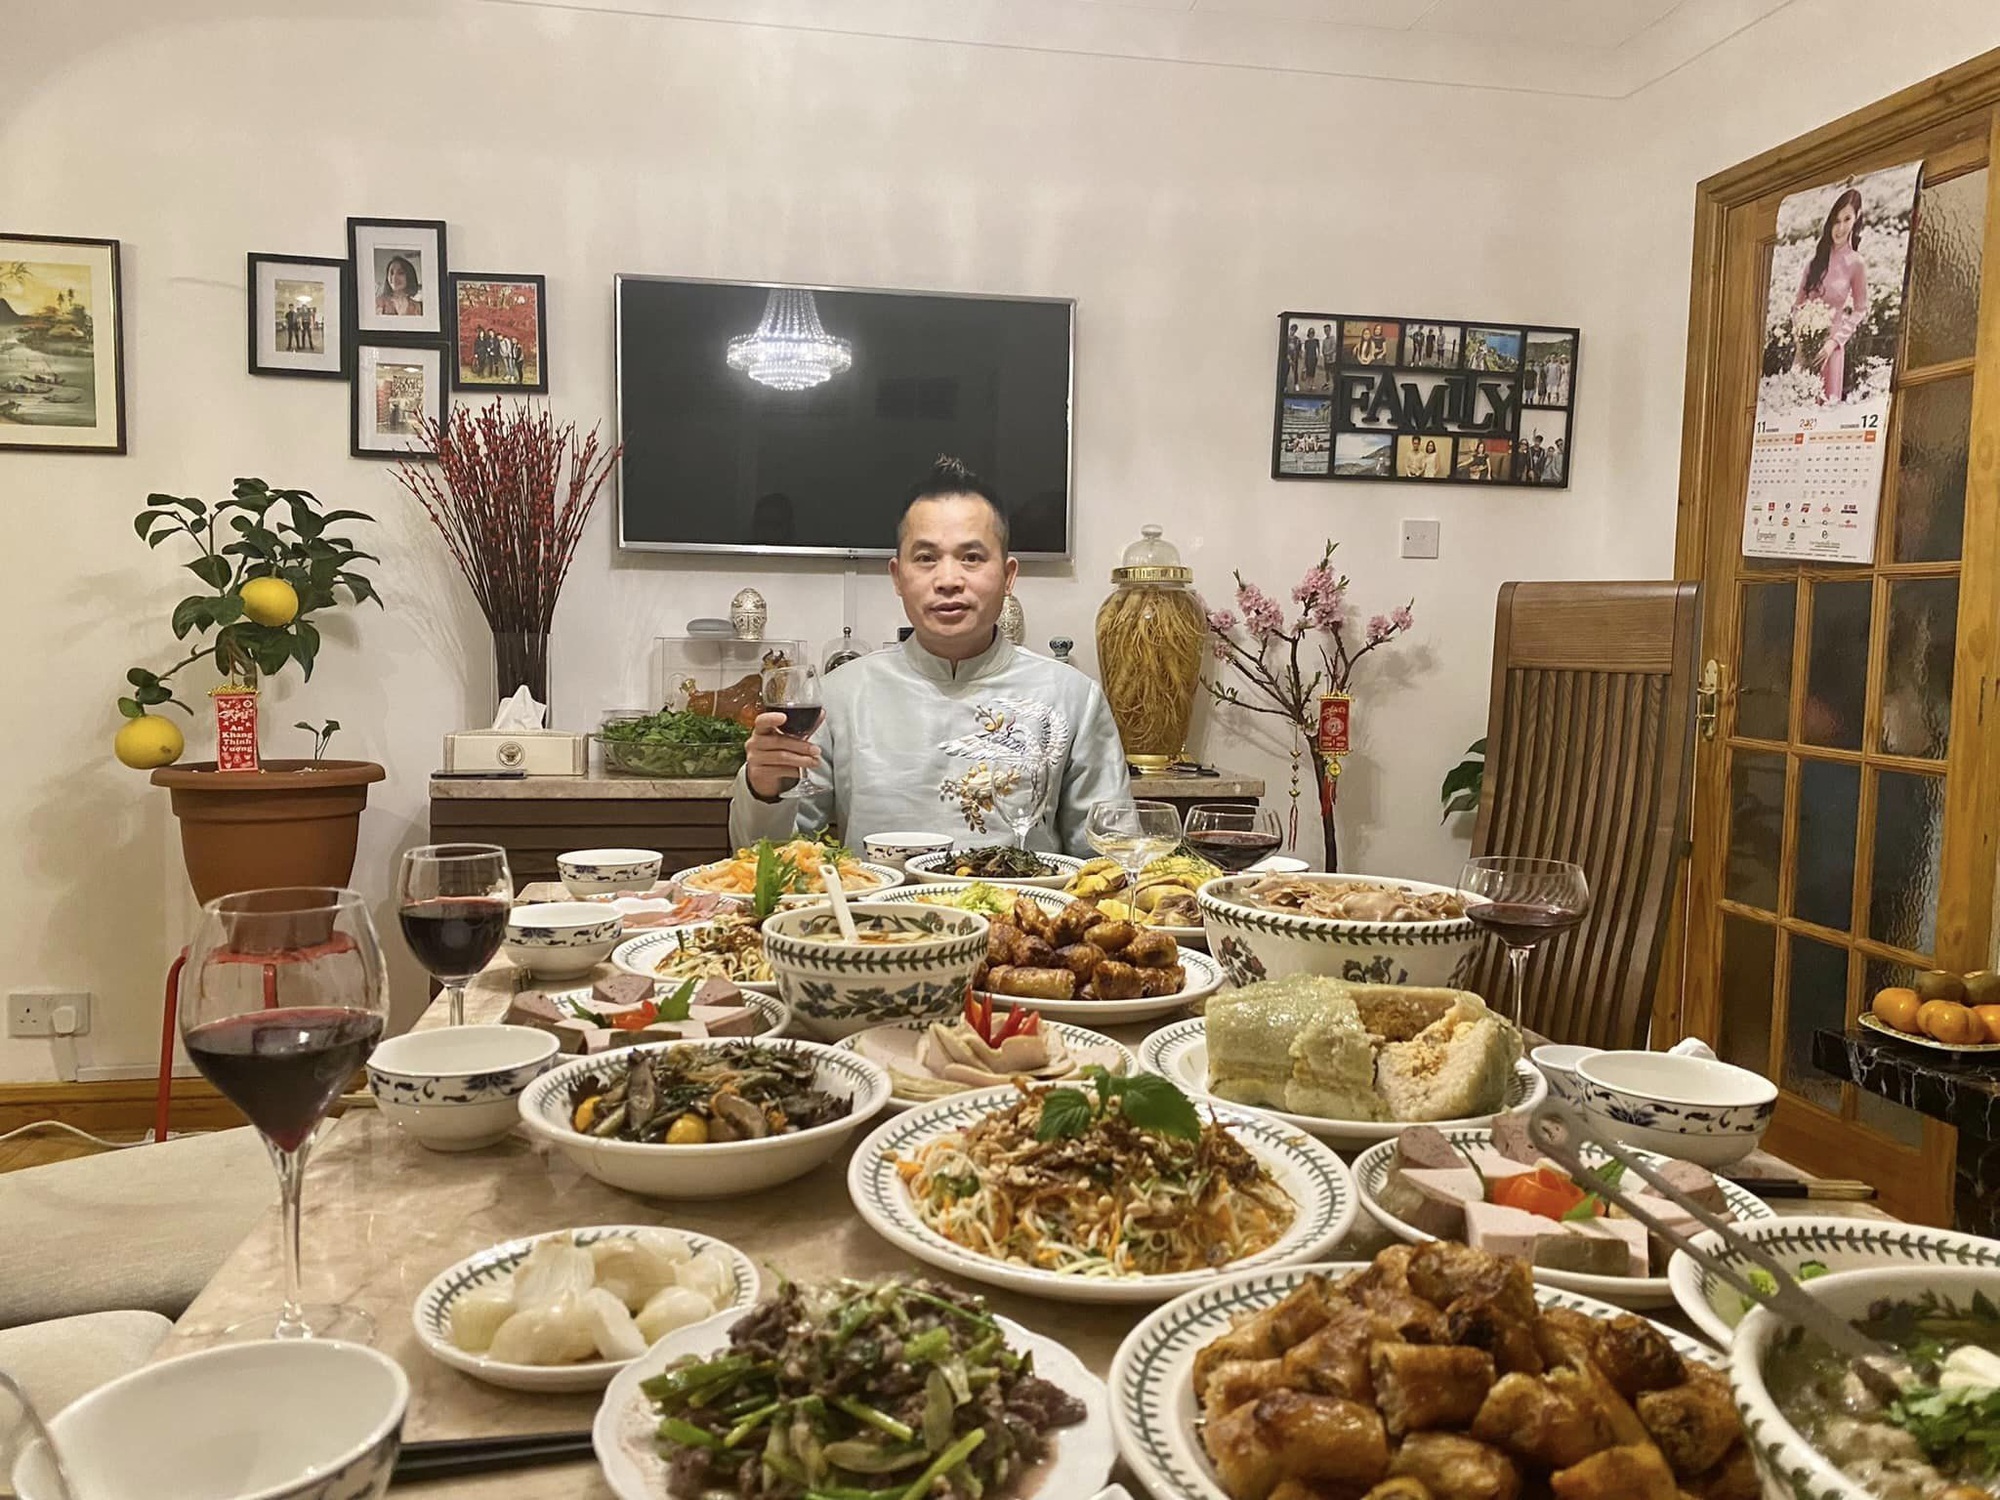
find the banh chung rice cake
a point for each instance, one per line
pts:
(1315, 1046)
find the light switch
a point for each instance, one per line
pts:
(1420, 539)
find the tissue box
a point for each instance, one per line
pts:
(539, 752)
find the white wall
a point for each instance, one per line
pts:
(1181, 206)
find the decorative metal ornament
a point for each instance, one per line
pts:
(747, 614)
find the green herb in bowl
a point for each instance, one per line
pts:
(673, 742)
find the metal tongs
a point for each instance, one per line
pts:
(1559, 1132)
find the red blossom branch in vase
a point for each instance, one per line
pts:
(493, 495)
(1266, 653)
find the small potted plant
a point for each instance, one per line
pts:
(271, 564)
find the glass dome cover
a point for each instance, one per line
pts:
(1152, 559)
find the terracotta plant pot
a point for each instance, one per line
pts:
(293, 823)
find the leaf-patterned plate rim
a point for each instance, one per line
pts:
(430, 1315)
(1152, 1398)
(1204, 978)
(1371, 1172)
(1170, 1053)
(1879, 1243)
(630, 956)
(1317, 1180)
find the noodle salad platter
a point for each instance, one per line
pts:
(1111, 1190)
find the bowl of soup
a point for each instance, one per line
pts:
(1814, 1432)
(905, 963)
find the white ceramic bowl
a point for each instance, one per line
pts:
(724, 1169)
(457, 1088)
(1790, 1468)
(293, 1419)
(1695, 1108)
(593, 872)
(897, 849)
(836, 988)
(1557, 1061)
(495, 1267)
(1254, 942)
(560, 939)
(1834, 1244)
(933, 869)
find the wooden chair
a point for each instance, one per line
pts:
(1590, 758)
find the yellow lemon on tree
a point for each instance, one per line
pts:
(270, 601)
(149, 741)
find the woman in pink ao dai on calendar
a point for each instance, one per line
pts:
(1836, 278)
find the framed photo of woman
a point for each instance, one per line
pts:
(500, 341)
(298, 307)
(399, 275)
(396, 384)
(62, 360)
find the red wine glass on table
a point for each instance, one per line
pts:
(283, 997)
(1523, 901)
(793, 690)
(452, 901)
(1233, 836)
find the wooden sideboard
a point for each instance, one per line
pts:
(535, 818)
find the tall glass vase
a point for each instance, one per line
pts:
(521, 658)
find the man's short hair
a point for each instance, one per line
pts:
(949, 476)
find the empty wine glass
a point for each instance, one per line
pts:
(794, 691)
(1523, 901)
(283, 997)
(452, 901)
(1134, 834)
(27, 1455)
(1021, 793)
(1233, 836)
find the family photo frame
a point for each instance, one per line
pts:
(1423, 400)
(62, 360)
(298, 315)
(395, 383)
(500, 338)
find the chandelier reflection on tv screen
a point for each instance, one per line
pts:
(790, 351)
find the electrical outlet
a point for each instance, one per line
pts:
(32, 1013)
(1420, 538)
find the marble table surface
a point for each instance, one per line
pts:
(1962, 1090)
(383, 1216)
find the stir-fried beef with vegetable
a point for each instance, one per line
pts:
(891, 1391)
(696, 1096)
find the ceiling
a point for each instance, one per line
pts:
(1596, 48)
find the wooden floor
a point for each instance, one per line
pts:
(40, 1147)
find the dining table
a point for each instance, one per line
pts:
(384, 1215)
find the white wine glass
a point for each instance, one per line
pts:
(1134, 834)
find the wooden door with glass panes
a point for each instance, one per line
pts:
(1843, 836)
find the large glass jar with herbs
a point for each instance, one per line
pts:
(1149, 642)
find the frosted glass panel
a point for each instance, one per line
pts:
(1916, 690)
(1764, 660)
(1909, 836)
(1930, 469)
(1815, 1000)
(1756, 828)
(1837, 669)
(1749, 976)
(1829, 804)
(1943, 319)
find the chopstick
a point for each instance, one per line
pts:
(458, 1458)
(1823, 1189)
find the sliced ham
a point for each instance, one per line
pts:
(1511, 1138)
(1630, 1234)
(1452, 1186)
(1697, 1182)
(1425, 1146)
(1499, 1230)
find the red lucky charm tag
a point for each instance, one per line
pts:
(1333, 723)
(235, 729)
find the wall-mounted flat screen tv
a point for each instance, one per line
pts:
(786, 419)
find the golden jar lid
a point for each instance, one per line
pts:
(1152, 559)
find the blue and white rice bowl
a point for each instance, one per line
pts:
(1255, 942)
(561, 939)
(836, 988)
(457, 1088)
(599, 872)
(1694, 1108)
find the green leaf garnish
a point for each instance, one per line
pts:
(1153, 1103)
(675, 1007)
(776, 875)
(1065, 1113)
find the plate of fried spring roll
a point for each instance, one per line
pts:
(1077, 964)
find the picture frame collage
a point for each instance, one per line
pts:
(1424, 400)
(378, 320)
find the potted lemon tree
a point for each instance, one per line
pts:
(271, 563)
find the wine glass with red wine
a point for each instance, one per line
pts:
(793, 689)
(283, 997)
(1233, 836)
(452, 901)
(1523, 901)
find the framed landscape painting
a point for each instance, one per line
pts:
(501, 332)
(62, 366)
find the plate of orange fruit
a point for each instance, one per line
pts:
(1941, 1010)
